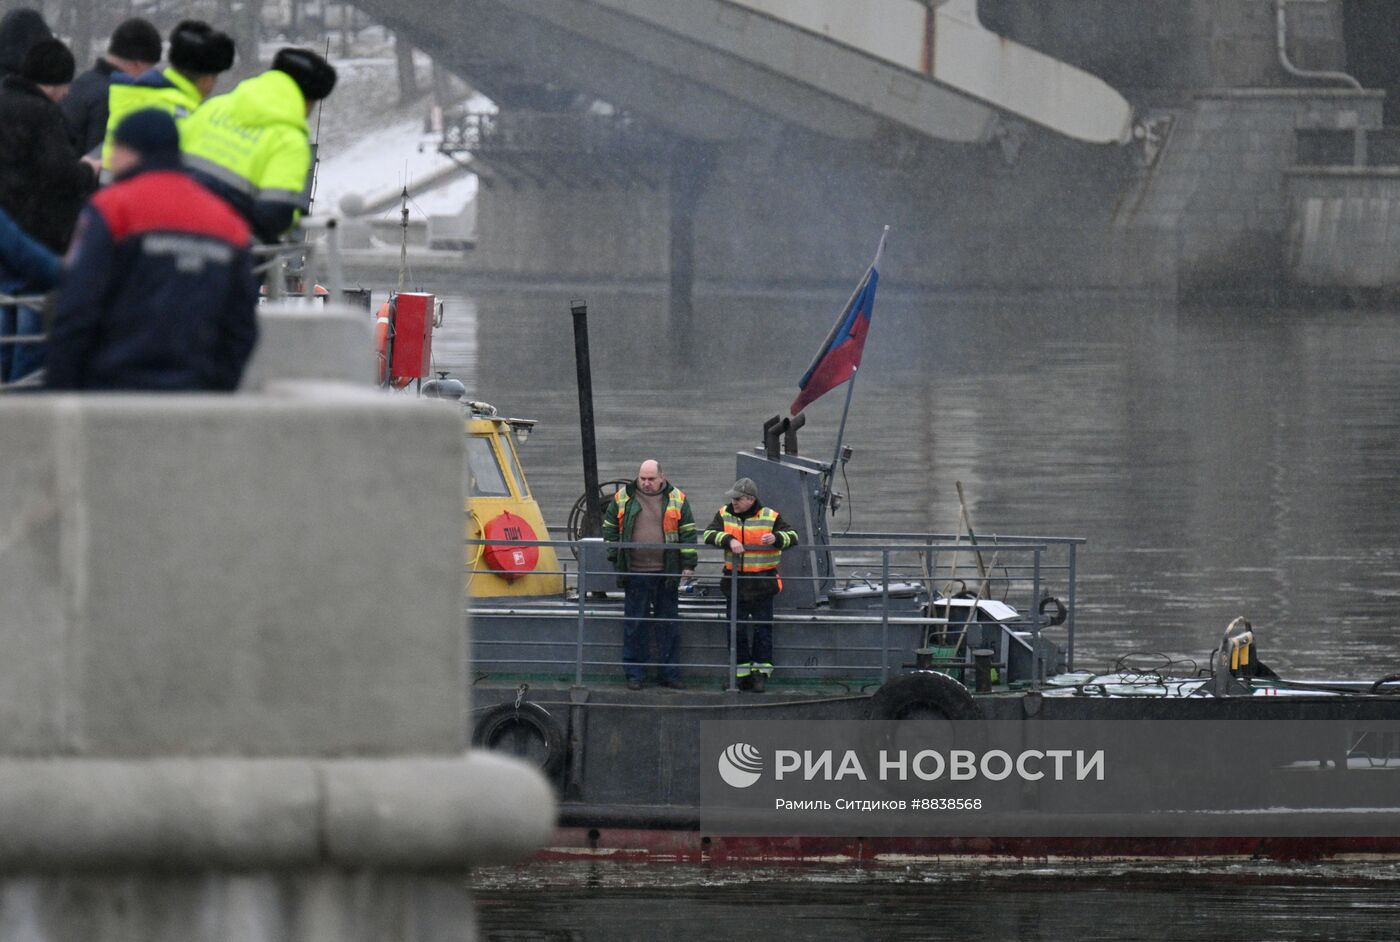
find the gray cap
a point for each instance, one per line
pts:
(744, 487)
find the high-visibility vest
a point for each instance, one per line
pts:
(670, 517)
(167, 90)
(757, 557)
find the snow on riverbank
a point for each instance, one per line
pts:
(371, 147)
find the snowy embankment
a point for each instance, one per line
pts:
(370, 148)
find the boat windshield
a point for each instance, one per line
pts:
(513, 466)
(484, 475)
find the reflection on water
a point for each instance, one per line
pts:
(970, 903)
(1219, 461)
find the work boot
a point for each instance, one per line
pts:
(674, 684)
(634, 683)
(758, 682)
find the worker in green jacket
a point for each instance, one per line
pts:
(253, 147)
(198, 54)
(651, 510)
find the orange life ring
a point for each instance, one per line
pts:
(382, 318)
(509, 562)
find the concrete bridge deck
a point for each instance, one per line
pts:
(721, 70)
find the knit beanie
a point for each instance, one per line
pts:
(135, 39)
(152, 134)
(313, 74)
(196, 48)
(48, 62)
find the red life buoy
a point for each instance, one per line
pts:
(382, 318)
(509, 562)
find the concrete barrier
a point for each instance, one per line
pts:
(409, 812)
(308, 341)
(232, 574)
(233, 661)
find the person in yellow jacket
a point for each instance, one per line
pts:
(198, 54)
(753, 538)
(253, 147)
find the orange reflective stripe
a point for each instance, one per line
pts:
(757, 556)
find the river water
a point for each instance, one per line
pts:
(1220, 462)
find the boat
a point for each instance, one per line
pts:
(870, 628)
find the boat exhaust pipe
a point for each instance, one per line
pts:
(787, 428)
(592, 509)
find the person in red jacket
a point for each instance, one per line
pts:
(158, 292)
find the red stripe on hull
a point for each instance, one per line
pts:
(665, 846)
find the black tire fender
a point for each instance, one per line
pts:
(923, 692)
(531, 718)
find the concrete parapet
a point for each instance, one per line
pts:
(232, 662)
(414, 813)
(301, 340)
(255, 575)
(316, 905)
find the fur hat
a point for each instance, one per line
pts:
(313, 75)
(48, 62)
(196, 48)
(135, 39)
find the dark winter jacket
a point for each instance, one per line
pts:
(759, 563)
(158, 293)
(85, 108)
(677, 526)
(19, 29)
(42, 181)
(26, 266)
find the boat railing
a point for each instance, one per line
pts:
(866, 627)
(318, 256)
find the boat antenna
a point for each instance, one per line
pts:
(316, 142)
(403, 237)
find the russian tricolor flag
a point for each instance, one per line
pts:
(839, 356)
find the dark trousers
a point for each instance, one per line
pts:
(650, 595)
(754, 645)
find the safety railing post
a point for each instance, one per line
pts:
(733, 684)
(1036, 662)
(591, 555)
(1069, 622)
(335, 272)
(885, 615)
(578, 650)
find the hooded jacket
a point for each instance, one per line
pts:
(19, 29)
(253, 148)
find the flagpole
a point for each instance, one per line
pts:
(850, 388)
(840, 436)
